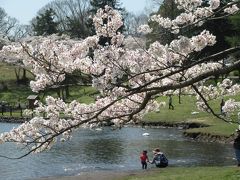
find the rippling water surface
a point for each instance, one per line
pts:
(108, 149)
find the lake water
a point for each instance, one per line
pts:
(116, 150)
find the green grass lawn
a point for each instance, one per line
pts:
(83, 94)
(188, 173)
(15, 93)
(182, 113)
(7, 73)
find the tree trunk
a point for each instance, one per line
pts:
(179, 96)
(58, 92)
(17, 74)
(24, 77)
(63, 95)
(67, 91)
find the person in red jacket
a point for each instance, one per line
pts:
(144, 159)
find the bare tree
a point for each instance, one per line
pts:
(157, 2)
(6, 23)
(71, 15)
(11, 28)
(21, 31)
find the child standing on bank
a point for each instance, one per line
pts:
(144, 159)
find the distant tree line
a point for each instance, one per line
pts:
(74, 18)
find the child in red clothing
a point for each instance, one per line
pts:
(144, 159)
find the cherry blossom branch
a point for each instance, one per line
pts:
(203, 60)
(194, 80)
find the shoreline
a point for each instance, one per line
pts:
(196, 136)
(12, 119)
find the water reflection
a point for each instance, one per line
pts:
(104, 150)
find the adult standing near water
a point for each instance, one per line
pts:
(159, 159)
(170, 105)
(221, 106)
(236, 145)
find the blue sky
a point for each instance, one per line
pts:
(25, 10)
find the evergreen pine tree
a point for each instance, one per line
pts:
(44, 23)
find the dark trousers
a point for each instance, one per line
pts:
(170, 106)
(144, 165)
(162, 165)
(237, 153)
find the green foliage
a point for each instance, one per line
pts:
(7, 73)
(97, 4)
(76, 28)
(15, 93)
(236, 73)
(224, 29)
(234, 38)
(45, 24)
(83, 94)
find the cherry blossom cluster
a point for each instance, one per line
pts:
(232, 9)
(145, 29)
(193, 14)
(185, 45)
(188, 4)
(230, 106)
(107, 21)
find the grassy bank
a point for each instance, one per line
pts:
(170, 173)
(184, 113)
(189, 173)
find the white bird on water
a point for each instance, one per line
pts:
(194, 112)
(145, 134)
(98, 129)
